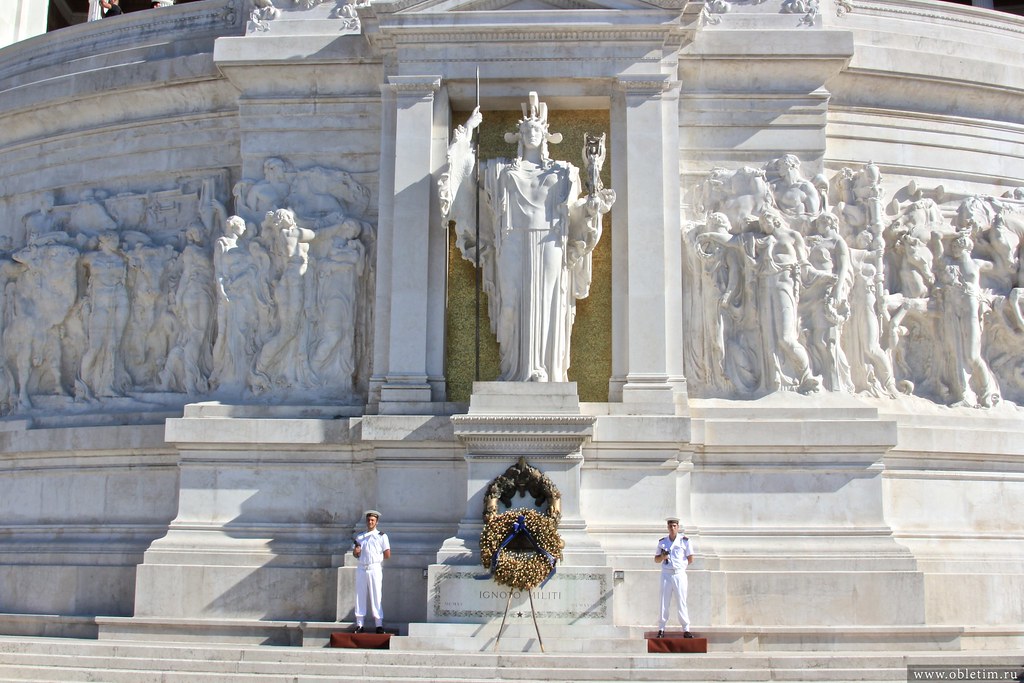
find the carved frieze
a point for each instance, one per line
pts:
(134, 297)
(817, 284)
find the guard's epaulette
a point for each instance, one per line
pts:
(685, 538)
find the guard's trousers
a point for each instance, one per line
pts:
(674, 583)
(368, 585)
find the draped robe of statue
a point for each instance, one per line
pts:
(536, 239)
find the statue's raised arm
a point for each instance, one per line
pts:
(536, 236)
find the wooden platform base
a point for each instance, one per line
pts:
(673, 642)
(365, 641)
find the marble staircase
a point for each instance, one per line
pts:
(59, 659)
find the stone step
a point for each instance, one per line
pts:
(521, 629)
(67, 660)
(62, 674)
(523, 644)
(521, 637)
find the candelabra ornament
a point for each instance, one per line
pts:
(521, 547)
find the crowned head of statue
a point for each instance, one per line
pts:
(533, 135)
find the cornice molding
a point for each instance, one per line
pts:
(647, 85)
(415, 85)
(955, 14)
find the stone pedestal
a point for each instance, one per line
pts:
(543, 423)
(790, 500)
(245, 545)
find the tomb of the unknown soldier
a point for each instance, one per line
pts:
(521, 282)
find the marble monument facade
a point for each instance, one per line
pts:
(224, 266)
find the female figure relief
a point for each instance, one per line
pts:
(241, 293)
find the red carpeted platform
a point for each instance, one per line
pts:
(365, 641)
(673, 642)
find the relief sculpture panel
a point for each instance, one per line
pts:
(811, 284)
(141, 299)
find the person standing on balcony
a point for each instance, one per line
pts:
(111, 8)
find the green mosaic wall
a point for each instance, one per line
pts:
(591, 351)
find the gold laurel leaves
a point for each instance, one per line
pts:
(523, 569)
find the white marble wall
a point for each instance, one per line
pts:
(791, 499)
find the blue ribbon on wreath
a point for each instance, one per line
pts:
(519, 527)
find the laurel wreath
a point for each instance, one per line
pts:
(518, 568)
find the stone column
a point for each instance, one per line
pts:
(26, 19)
(647, 308)
(404, 360)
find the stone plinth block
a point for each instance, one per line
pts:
(675, 643)
(540, 421)
(464, 594)
(529, 398)
(362, 641)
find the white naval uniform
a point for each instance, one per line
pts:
(673, 578)
(369, 575)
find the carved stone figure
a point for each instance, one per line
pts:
(740, 195)
(795, 196)
(89, 216)
(920, 304)
(10, 271)
(858, 198)
(340, 264)
(41, 300)
(537, 235)
(915, 259)
(144, 346)
(593, 161)
(997, 228)
(870, 368)
(779, 255)
(190, 362)
(41, 221)
(959, 299)
(254, 200)
(262, 11)
(825, 298)
(105, 309)
(708, 276)
(283, 362)
(241, 294)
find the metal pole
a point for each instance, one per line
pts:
(477, 271)
(503, 617)
(536, 628)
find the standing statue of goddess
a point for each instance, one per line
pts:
(536, 238)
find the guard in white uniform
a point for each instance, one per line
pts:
(675, 553)
(371, 548)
